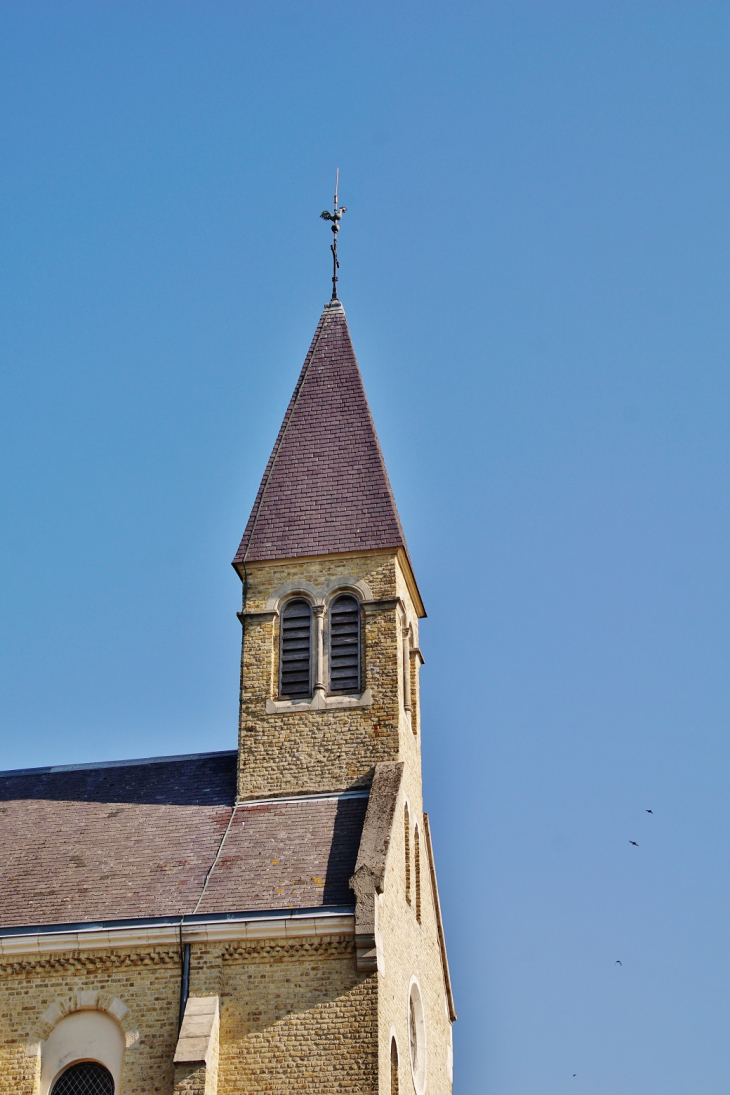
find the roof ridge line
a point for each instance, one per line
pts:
(136, 761)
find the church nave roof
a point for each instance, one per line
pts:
(163, 838)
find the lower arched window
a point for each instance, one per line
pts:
(417, 1038)
(393, 1067)
(86, 1078)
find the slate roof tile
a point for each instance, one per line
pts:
(325, 488)
(137, 840)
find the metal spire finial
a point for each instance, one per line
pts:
(335, 217)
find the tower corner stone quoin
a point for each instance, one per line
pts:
(265, 918)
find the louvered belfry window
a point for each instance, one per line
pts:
(87, 1078)
(296, 649)
(344, 624)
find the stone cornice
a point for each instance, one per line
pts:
(155, 935)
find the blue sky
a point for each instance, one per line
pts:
(535, 271)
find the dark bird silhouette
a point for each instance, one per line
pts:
(634, 843)
(650, 811)
(618, 962)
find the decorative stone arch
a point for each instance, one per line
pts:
(288, 590)
(336, 586)
(318, 595)
(83, 1000)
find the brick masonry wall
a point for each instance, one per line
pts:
(297, 1018)
(285, 753)
(332, 750)
(190, 1080)
(406, 948)
(295, 1015)
(147, 981)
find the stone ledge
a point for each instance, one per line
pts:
(319, 703)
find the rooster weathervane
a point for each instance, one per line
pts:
(335, 217)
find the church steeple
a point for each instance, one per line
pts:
(330, 655)
(325, 488)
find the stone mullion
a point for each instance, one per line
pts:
(318, 620)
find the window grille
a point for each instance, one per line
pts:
(344, 624)
(87, 1078)
(296, 650)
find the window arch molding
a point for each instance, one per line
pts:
(86, 1034)
(353, 589)
(318, 595)
(83, 1000)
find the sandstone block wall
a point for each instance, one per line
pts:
(304, 751)
(146, 982)
(295, 1015)
(407, 949)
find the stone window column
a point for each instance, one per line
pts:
(320, 686)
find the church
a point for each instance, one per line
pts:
(265, 919)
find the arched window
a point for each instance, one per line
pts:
(417, 1038)
(344, 625)
(407, 837)
(417, 871)
(295, 661)
(94, 1042)
(87, 1078)
(393, 1067)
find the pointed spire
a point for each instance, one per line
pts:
(325, 488)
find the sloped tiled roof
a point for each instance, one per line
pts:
(325, 488)
(260, 869)
(137, 840)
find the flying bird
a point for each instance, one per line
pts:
(634, 843)
(618, 962)
(650, 811)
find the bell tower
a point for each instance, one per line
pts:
(330, 655)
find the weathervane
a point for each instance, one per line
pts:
(335, 217)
